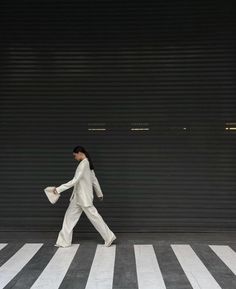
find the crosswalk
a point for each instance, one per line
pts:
(102, 269)
(148, 270)
(14, 265)
(56, 269)
(195, 270)
(43, 266)
(227, 255)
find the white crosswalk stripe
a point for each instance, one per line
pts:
(148, 270)
(227, 255)
(56, 269)
(102, 269)
(195, 270)
(2, 245)
(15, 264)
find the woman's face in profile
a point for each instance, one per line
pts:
(76, 156)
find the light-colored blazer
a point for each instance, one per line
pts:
(83, 181)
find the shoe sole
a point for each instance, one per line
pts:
(112, 240)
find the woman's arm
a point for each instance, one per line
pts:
(96, 185)
(71, 183)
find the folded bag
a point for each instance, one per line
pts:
(53, 198)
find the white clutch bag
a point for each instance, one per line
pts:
(53, 198)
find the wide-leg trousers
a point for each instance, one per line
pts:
(71, 218)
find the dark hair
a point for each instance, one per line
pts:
(83, 150)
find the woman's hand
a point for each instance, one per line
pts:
(55, 191)
(100, 198)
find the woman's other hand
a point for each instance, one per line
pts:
(55, 191)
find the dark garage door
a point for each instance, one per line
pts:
(148, 89)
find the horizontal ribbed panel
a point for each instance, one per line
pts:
(147, 88)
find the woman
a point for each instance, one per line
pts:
(81, 200)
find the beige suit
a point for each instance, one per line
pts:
(83, 181)
(81, 200)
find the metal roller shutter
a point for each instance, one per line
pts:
(148, 89)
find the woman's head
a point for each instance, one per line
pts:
(80, 153)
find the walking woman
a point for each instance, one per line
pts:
(81, 201)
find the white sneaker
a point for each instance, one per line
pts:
(61, 246)
(107, 244)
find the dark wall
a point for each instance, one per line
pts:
(87, 73)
